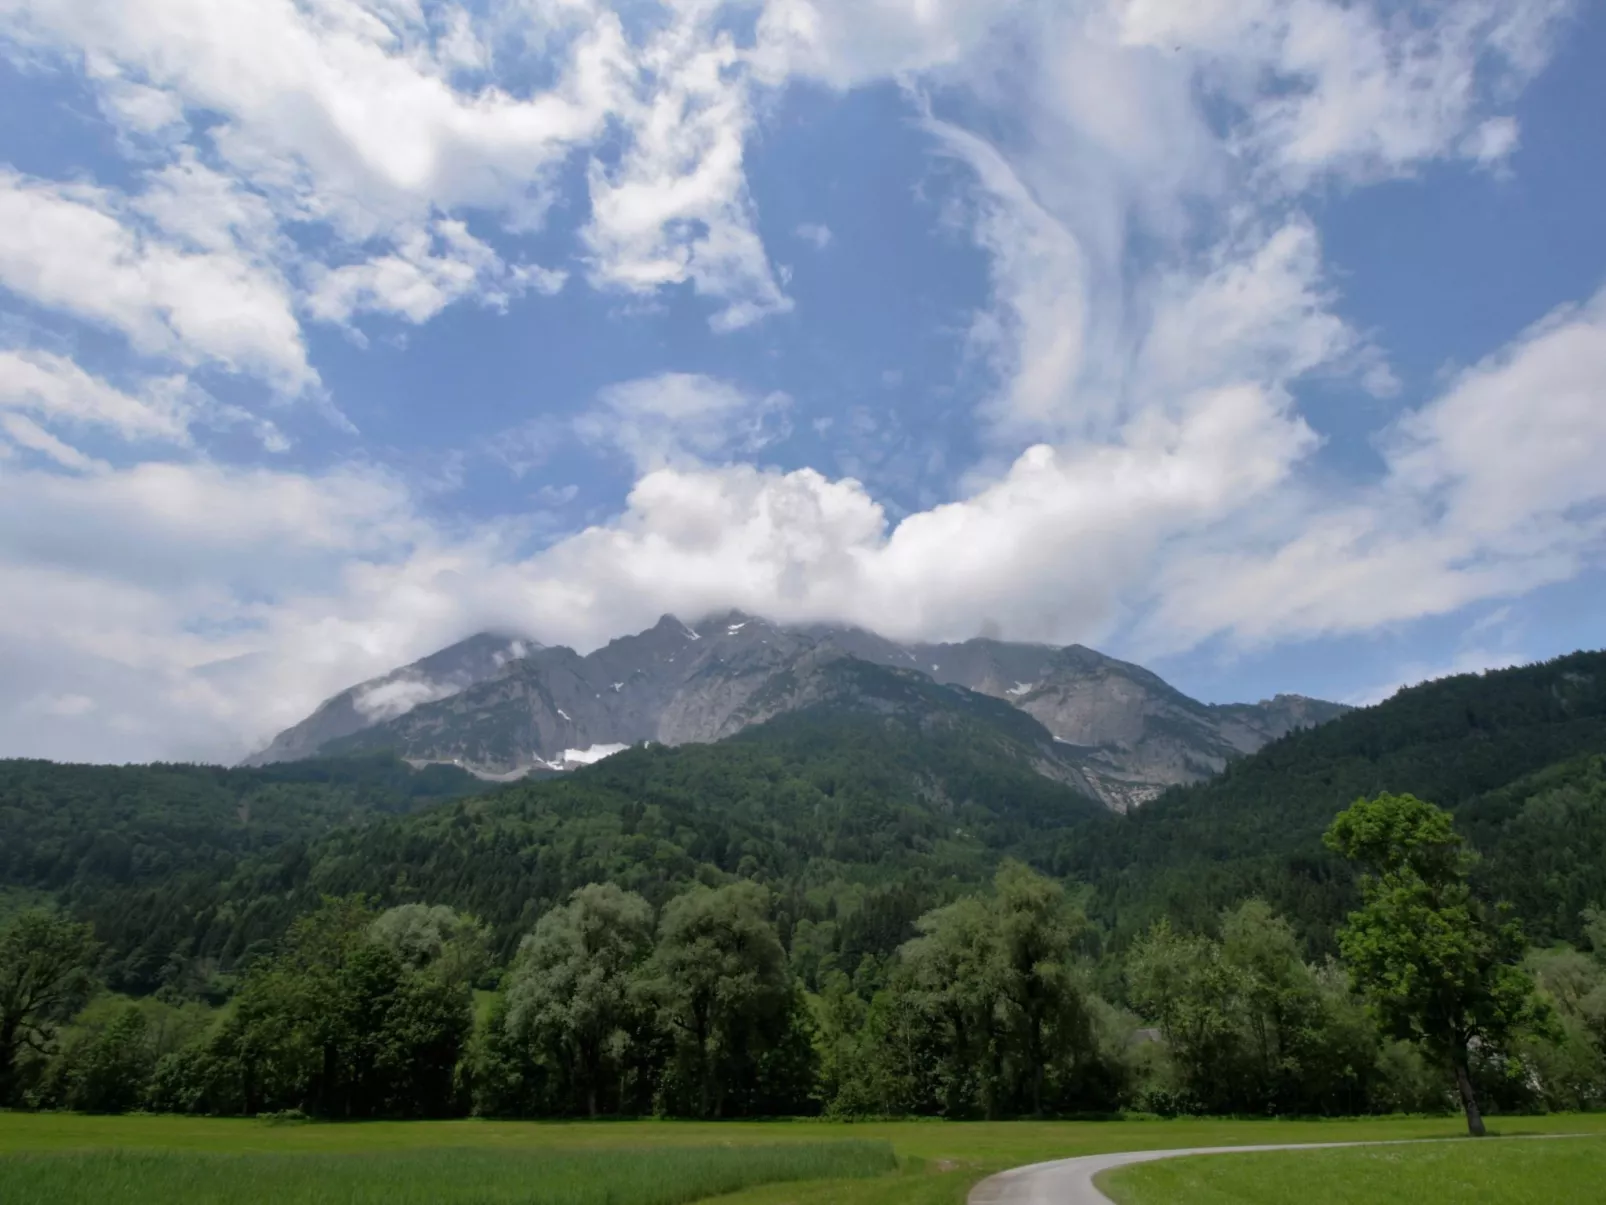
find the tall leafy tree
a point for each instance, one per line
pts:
(950, 979)
(983, 1011)
(571, 1000)
(720, 979)
(1182, 982)
(339, 1024)
(452, 944)
(1433, 963)
(45, 977)
(1037, 932)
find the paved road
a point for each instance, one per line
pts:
(1070, 1181)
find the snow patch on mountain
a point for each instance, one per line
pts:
(590, 755)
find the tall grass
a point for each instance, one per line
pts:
(445, 1176)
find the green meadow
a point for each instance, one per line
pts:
(1540, 1172)
(470, 1175)
(133, 1159)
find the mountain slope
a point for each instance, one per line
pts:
(1128, 732)
(878, 789)
(870, 795)
(1140, 733)
(1256, 829)
(102, 836)
(437, 676)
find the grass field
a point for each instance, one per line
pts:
(665, 1176)
(1540, 1172)
(937, 1161)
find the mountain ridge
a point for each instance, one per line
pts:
(501, 707)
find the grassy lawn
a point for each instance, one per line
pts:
(1466, 1173)
(666, 1176)
(937, 1161)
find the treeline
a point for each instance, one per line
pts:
(696, 1008)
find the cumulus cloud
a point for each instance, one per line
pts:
(252, 595)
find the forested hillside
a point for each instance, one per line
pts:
(862, 811)
(843, 908)
(887, 796)
(99, 837)
(1509, 752)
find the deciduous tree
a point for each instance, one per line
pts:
(570, 998)
(1434, 965)
(45, 977)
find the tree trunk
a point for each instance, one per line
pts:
(8, 1058)
(1469, 1098)
(1037, 1066)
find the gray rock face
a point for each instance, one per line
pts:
(437, 676)
(1120, 732)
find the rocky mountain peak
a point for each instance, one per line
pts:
(501, 706)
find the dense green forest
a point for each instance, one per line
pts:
(860, 817)
(910, 916)
(102, 840)
(1515, 754)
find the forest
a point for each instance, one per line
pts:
(831, 913)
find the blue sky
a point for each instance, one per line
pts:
(1262, 342)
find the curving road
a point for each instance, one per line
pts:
(1070, 1181)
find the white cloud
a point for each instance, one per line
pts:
(25, 433)
(675, 208)
(1491, 489)
(815, 234)
(69, 247)
(428, 271)
(55, 388)
(345, 106)
(236, 599)
(682, 418)
(64, 706)
(356, 116)
(1356, 90)
(398, 696)
(1493, 141)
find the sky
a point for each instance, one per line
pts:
(1262, 342)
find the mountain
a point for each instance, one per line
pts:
(1516, 754)
(437, 676)
(504, 712)
(870, 794)
(503, 709)
(1138, 733)
(876, 788)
